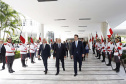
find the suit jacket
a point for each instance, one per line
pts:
(3, 51)
(60, 52)
(45, 53)
(79, 50)
(84, 44)
(54, 46)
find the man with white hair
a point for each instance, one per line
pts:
(60, 50)
(2, 53)
(44, 49)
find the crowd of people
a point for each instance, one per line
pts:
(78, 50)
(110, 49)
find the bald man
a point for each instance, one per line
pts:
(44, 49)
(60, 51)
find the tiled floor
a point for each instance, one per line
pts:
(93, 72)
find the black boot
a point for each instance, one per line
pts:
(25, 64)
(118, 67)
(22, 63)
(11, 67)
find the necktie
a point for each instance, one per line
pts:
(59, 45)
(43, 46)
(76, 43)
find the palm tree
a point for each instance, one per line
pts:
(9, 19)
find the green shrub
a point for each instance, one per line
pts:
(17, 54)
(125, 61)
(124, 54)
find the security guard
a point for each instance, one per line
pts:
(10, 53)
(32, 52)
(110, 47)
(103, 50)
(117, 54)
(23, 53)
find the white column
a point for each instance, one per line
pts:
(104, 27)
(41, 30)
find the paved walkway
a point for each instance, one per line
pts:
(93, 72)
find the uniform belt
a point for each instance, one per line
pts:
(23, 51)
(9, 52)
(33, 49)
(109, 50)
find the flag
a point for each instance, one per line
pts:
(101, 38)
(51, 40)
(110, 33)
(22, 39)
(96, 35)
(31, 39)
(110, 30)
(40, 37)
(109, 36)
(92, 38)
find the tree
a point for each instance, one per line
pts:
(9, 19)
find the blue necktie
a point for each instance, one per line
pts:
(76, 43)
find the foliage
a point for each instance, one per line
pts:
(17, 54)
(9, 19)
(34, 39)
(15, 39)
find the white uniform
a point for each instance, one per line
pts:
(38, 46)
(23, 48)
(118, 49)
(32, 48)
(103, 47)
(96, 45)
(99, 46)
(9, 49)
(110, 47)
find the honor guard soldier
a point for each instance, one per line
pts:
(23, 53)
(96, 46)
(117, 54)
(10, 53)
(103, 50)
(32, 52)
(38, 45)
(99, 49)
(109, 51)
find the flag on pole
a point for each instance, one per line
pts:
(40, 37)
(110, 33)
(51, 40)
(101, 39)
(22, 39)
(110, 30)
(31, 39)
(92, 38)
(96, 35)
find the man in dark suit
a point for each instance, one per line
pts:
(44, 49)
(66, 45)
(60, 54)
(77, 53)
(2, 53)
(54, 45)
